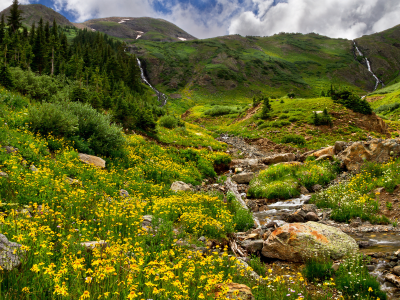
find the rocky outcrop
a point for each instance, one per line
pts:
(234, 291)
(330, 151)
(180, 186)
(296, 242)
(9, 254)
(278, 158)
(92, 160)
(375, 150)
(243, 177)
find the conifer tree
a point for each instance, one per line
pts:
(2, 29)
(266, 109)
(39, 49)
(6, 79)
(14, 20)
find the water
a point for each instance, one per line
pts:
(381, 241)
(378, 81)
(276, 211)
(162, 98)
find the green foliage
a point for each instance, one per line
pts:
(324, 119)
(169, 121)
(386, 108)
(242, 218)
(6, 78)
(79, 93)
(218, 110)
(293, 138)
(90, 130)
(351, 101)
(266, 108)
(318, 269)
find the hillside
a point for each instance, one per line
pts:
(33, 12)
(131, 29)
(246, 66)
(383, 51)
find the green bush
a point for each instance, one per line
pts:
(90, 130)
(324, 119)
(293, 119)
(6, 79)
(387, 108)
(279, 123)
(169, 122)
(220, 111)
(242, 218)
(293, 138)
(351, 101)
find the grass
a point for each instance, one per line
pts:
(354, 198)
(284, 181)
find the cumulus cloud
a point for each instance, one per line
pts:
(334, 18)
(6, 3)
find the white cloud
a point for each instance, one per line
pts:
(334, 18)
(6, 3)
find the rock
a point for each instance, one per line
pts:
(325, 157)
(340, 146)
(370, 268)
(202, 239)
(396, 270)
(309, 208)
(266, 234)
(9, 254)
(393, 279)
(335, 267)
(3, 174)
(71, 180)
(94, 244)
(375, 150)
(305, 155)
(235, 291)
(180, 186)
(356, 222)
(244, 163)
(33, 168)
(10, 150)
(326, 151)
(252, 246)
(279, 158)
(210, 148)
(364, 244)
(304, 190)
(316, 187)
(258, 168)
(296, 217)
(243, 177)
(238, 170)
(92, 160)
(311, 216)
(123, 193)
(297, 242)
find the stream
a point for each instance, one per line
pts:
(162, 98)
(378, 81)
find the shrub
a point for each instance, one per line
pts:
(351, 101)
(324, 119)
(220, 111)
(293, 119)
(169, 122)
(293, 138)
(242, 218)
(387, 108)
(6, 78)
(266, 108)
(279, 123)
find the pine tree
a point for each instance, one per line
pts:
(2, 29)
(266, 109)
(14, 20)
(6, 79)
(39, 49)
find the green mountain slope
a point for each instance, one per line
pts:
(303, 64)
(33, 12)
(144, 28)
(383, 51)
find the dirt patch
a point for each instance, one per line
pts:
(389, 204)
(186, 114)
(373, 99)
(251, 112)
(271, 148)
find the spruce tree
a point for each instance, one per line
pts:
(14, 20)
(266, 109)
(6, 79)
(39, 49)
(2, 28)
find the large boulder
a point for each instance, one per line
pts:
(330, 151)
(297, 242)
(379, 151)
(180, 186)
(243, 178)
(9, 254)
(279, 158)
(92, 160)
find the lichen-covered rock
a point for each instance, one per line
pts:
(275, 159)
(326, 151)
(252, 246)
(234, 291)
(92, 160)
(9, 254)
(296, 242)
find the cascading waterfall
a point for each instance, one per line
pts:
(162, 98)
(378, 81)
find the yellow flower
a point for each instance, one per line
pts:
(85, 295)
(370, 289)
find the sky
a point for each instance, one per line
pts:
(348, 19)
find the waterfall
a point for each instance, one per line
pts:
(369, 67)
(162, 98)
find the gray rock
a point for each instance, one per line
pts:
(180, 186)
(94, 244)
(335, 267)
(243, 177)
(311, 216)
(123, 193)
(33, 168)
(316, 187)
(9, 254)
(252, 246)
(370, 268)
(340, 146)
(356, 222)
(10, 149)
(304, 190)
(296, 217)
(3, 174)
(393, 279)
(309, 208)
(275, 159)
(202, 239)
(92, 160)
(364, 244)
(325, 157)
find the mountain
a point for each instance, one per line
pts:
(131, 29)
(33, 12)
(383, 51)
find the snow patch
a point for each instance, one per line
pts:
(123, 21)
(182, 39)
(138, 36)
(141, 32)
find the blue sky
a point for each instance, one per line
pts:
(209, 18)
